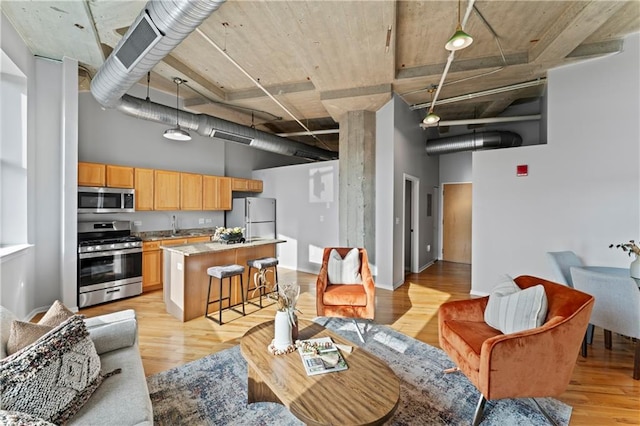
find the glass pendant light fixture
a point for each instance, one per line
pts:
(177, 133)
(431, 118)
(459, 40)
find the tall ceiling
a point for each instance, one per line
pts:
(321, 59)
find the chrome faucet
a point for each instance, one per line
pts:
(174, 224)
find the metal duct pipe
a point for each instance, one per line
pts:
(158, 29)
(209, 126)
(473, 142)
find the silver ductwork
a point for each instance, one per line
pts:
(214, 127)
(473, 142)
(158, 29)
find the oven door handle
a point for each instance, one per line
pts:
(110, 253)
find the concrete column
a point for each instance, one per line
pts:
(357, 180)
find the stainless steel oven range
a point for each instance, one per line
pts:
(109, 262)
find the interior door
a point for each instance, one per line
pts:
(456, 209)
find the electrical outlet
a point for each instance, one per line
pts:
(209, 220)
(201, 220)
(428, 247)
(321, 218)
(137, 223)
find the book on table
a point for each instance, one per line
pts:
(321, 356)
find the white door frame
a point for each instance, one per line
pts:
(415, 225)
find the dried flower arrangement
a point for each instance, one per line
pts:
(630, 247)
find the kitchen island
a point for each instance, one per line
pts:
(185, 274)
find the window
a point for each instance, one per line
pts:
(13, 156)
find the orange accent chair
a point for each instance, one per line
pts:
(346, 300)
(532, 363)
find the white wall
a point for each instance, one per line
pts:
(306, 211)
(32, 280)
(398, 132)
(583, 188)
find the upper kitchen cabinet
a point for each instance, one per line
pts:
(246, 185)
(239, 184)
(255, 185)
(144, 182)
(216, 193)
(190, 191)
(91, 174)
(119, 176)
(166, 194)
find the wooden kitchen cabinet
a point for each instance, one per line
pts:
(216, 193)
(255, 185)
(166, 192)
(143, 184)
(200, 239)
(119, 176)
(246, 185)
(190, 191)
(151, 266)
(239, 184)
(91, 174)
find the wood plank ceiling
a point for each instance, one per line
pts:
(321, 59)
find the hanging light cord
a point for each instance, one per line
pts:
(148, 82)
(452, 53)
(177, 81)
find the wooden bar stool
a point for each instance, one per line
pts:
(261, 265)
(222, 272)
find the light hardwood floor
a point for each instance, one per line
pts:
(601, 391)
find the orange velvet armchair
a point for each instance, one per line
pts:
(532, 363)
(346, 300)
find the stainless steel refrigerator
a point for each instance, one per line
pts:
(256, 215)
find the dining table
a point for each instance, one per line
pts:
(610, 270)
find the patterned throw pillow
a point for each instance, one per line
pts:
(52, 378)
(17, 418)
(344, 270)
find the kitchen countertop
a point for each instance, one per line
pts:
(168, 234)
(203, 248)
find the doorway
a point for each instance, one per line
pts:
(411, 234)
(456, 222)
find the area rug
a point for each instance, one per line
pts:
(213, 390)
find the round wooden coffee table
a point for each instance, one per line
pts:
(367, 393)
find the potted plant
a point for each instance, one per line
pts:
(631, 247)
(230, 235)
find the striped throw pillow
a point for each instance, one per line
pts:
(511, 309)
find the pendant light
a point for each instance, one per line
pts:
(177, 133)
(459, 40)
(431, 118)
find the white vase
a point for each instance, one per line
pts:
(282, 331)
(634, 268)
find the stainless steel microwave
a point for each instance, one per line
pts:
(105, 200)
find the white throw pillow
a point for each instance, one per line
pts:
(344, 270)
(511, 309)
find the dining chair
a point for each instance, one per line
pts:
(561, 263)
(617, 306)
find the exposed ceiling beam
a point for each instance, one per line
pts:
(279, 89)
(356, 92)
(188, 72)
(596, 49)
(463, 65)
(571, 29)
